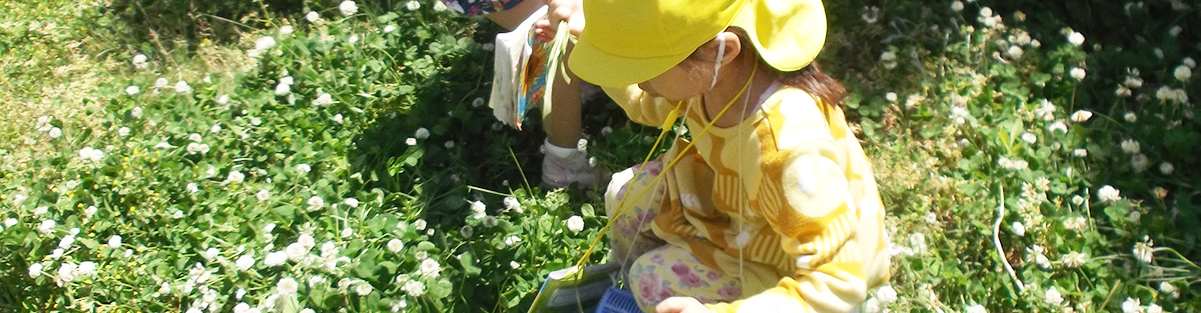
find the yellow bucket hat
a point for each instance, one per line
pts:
(626, 42)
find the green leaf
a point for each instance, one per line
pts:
(467, 260)
(586, 210)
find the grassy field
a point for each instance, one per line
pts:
(288, 155)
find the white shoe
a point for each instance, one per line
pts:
(575, 169)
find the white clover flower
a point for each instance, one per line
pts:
(283, 89)
(1168, 289)
(413, 5)
(1015, 51)
(347, 232)
(1018, 229)
(351, 202)
(1189, 62)
(312, 17)
(1058, 126)
(1133, 82)
(114, 242)
(287, 286)
(1053, 296)
(512, 204)
(276, 258)
(1075, 223)
(1130, 146)
(235, 177)
(1076, 39)
(1143, 252)
(422, 133)
(56, 254)
(450, 144)
(1130, 117)
(323, 100)
(1154, 308)
(1108, 194)
(575, 223)
(886, 294)
(139, 59)
(242, 307)
(1139, 162)
(316, 203)
(223, 99)
(872, 305)
(303, 168)
(123, 131)
(307, 310)
(354, 38)
(957, 6)
(296, 252)
(161, 82)
(479, 101)
(389, 28)
(1132, 305)
(215, 129)
(1078, 73)
(411, 141)
(66, 272)
(338, 118)
(419, 224)
(182, 87)
(132, 90)
(362, 288)
(1183, 73)
(90, 211)
(197, 148)
(263, 195)
(86, 268)
(395, 245)
(478, 210)
(891, 97)
(1029, 138)
(91, 154)
(192, 188)
(55, 132)
(265, 43)
(65, 244)
(177, 215)
(1074, 259)
(439, 6)
(512, 240)
(430, 268)
(46, 227)
(1166, 168)
(414, 288)
(9, 222)
(348, 8)
(244, 262)
(35, 270)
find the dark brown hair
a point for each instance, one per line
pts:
(810, 78)
(813, 80)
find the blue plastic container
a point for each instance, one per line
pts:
(617, 300)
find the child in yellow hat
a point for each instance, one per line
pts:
(772, 206)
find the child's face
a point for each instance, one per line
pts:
(679, 83)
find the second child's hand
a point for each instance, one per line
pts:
(561, 10)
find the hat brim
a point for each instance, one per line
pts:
(607, 70)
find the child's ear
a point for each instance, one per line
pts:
(709, 52)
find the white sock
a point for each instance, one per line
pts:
(557, 151)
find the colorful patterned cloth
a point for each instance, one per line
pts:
(784, 204)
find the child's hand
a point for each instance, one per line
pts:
(681, 305)
(561, 10)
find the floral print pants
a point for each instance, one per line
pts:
(655, 270)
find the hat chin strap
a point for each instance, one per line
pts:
(721, 53)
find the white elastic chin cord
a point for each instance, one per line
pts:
(721, 53)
